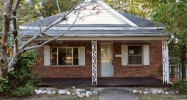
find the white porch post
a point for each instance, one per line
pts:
(165, 61)
(94, 62)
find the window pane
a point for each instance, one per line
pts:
(69, 56)
(66, 56)
(75, 56)
(54, 56)
(134, 50)
(61, 56)
(135, 54)
(135, 59)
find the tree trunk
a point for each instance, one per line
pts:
(4, 40)
(183, 61)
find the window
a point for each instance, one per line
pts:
(64, 56)
(134, 54)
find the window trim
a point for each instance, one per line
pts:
(66, 52)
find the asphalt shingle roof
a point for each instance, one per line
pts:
(137, 20)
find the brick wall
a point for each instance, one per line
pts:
(65, 71)
(153, 70)
(86, 71)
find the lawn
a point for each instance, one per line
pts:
(161, 97)
(52, 97)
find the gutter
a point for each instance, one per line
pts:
(106, 35)
(89, 28)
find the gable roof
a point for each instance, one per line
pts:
(140, 21)
(108, 23)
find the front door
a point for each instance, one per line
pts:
(107, 60)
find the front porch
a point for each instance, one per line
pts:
(108, 82)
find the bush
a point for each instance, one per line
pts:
(21, 81)
(24, 90)
(180, 86)
(4, 86)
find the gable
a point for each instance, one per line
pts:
(102, 14)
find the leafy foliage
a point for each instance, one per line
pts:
(180, 86)
(136, 7)
(4, 86)
(49, 7)
(24, 90)
(21, 81)
(173, 14)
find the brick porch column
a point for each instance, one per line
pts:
(165, 61)
(94, 62)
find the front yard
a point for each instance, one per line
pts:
(161, 97)
(51, 97)
(157, 93)
(143, 93)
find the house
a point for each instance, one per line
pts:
(104, 43)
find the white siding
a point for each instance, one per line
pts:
(146, 54)
(124, 52)
(81, 55)
(46, 55)
(90, 17)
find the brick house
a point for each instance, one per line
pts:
(106, 44)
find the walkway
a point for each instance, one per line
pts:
(115, 93)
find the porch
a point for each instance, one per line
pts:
(108, 82)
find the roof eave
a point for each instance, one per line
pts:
(107, 37)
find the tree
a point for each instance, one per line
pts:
(135, 7)
(10, 10)
(1, 10)
(52, 7)
(173, 14)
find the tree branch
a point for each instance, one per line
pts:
(15, 32)
(16, 6)
(39, 46)
(58, 6)
(43, 32)
(51, 25)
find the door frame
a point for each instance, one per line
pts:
(111, 44)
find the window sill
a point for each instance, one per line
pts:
(136, 66)
(68, 66)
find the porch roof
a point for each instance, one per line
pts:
(136, 32)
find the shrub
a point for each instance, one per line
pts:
(21, 81)
(180, 86)
(4, 86)
(24, 90)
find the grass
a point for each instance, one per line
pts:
(51, 97)
(161, 97)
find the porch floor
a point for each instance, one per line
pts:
(128, 81)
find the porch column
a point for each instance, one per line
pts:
(94, 62)
(165, 61)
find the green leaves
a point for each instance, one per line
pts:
(50, 7)
(21, 81)
(134, 7)
(180, 86)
